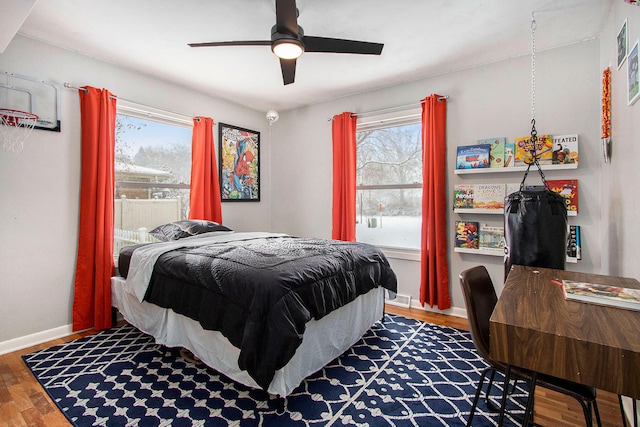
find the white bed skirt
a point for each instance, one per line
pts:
(323, 340)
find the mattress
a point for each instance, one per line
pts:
(258, 289)
(323, 339)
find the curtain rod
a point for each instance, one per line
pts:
(70, 86)
(390, 109)
(399, 107)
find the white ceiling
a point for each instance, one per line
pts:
(422, 38)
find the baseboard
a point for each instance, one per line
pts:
(454, 311)
(400, 300)
(19, 343)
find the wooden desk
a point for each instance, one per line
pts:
(534, 327)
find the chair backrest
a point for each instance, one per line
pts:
(480, 299)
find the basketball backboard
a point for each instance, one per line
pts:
(24, 93)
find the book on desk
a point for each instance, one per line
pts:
(602, 294)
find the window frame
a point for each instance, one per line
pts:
(144, 112)
(405, 116)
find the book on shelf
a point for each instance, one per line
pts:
(565, 149)
(574, 248)
(544, 150)
(473, 156)
(496, 152)
(491, 237)
(510, 188)
(567, 188)
(488, 196)
(509, 154)
(463, 196)
(602, 294)
(478, 196)
(467, 234)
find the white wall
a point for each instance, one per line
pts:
(620, 178)
(39, 188)
(488, 101)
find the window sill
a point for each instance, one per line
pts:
(401, 253)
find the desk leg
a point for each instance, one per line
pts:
(505, 390)
(528, 413)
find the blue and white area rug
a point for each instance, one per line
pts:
(401, 373)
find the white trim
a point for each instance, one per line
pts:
(401, 253)
(407, 116)
(129, 108)
(34, 339)
(454, 311)
(401, 300)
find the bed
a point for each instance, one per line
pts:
(264, 309)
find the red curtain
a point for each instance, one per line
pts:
(94, 262)
(205, 201)
(434, 266)
(344, 177)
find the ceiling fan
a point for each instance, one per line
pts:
(288, 41)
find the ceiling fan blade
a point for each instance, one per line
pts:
(287, 17)
(239, 43)
(329, 45)
(288, 70)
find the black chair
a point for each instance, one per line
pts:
(480, 300)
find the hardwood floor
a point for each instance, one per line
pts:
(23, 402)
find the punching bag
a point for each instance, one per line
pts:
(535, 227)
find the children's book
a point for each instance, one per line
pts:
(567, 188)
(544, 150)
(496, 152)
(491, 237)
(512, 187)
(565, 149)
(602, 294)
(488, 196)
(574, 248)
(463, 196)
(467, 234)
(473, 156)
(509, 154)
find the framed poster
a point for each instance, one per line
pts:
(623, 44)
(239, 164)
(633, 78)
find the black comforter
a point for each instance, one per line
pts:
(260, 293)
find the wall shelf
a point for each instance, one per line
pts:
(515, 169)
(493, 252)
(494, 211)
(500, 252)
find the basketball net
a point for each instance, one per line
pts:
(15, 128)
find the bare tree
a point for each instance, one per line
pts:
(388, 159)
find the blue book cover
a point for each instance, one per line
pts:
(473, 156)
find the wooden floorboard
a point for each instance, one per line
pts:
(23, 402)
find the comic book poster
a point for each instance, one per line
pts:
(239, 164)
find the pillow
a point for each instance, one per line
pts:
(187, 228)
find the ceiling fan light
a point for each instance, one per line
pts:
(287, 49)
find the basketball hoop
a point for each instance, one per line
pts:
(16, 127)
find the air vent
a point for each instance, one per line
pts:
(400, 300)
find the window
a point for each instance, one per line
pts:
(389, 181)
(152, 173)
